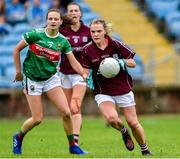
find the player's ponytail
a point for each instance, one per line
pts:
(66, 21)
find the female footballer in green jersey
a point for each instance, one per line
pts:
(46, 45)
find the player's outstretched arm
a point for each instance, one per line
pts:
(76, 65)
(126, 62)
(20, 46)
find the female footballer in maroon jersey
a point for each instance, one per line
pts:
(73, 85)
(46, 45)
(117, 90)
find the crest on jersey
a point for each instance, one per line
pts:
(75, 39)
(84, 38)
(59, 46)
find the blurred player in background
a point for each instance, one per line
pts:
(116, 91)
(46, 45)
(73, 84)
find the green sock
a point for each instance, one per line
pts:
(71, 140)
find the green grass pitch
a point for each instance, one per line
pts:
(48, 140)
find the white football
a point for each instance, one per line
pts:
(109, 67)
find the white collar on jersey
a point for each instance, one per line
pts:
(51, 36)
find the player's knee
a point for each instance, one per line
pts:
(133, 124)
(76, 113)
(66, 115)
(112, 120)
(75, 103)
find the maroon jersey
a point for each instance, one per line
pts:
(77, 40)
(92, 57)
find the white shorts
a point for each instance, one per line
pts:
(70, 80)
(125, 100)
(37, 88)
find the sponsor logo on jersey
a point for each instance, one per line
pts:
(95, 60)
(40, 51)
(77, 48)
(104, 56)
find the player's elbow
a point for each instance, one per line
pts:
(16, 49)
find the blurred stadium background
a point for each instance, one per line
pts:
(150, 27)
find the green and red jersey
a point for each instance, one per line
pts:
(44, 53)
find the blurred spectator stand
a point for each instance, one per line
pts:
(15, 12)
(4, 27)
(35, 14)
(172, 24)
(61, 5)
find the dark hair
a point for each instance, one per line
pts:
(107, 26)
(53, 10)
(66, 20)
(74, 3)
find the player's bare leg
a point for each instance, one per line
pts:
(56, 95)
(109, 112)
(137, 129)
(59, 99)
(76, 102)
(35, 105)
(75, 97)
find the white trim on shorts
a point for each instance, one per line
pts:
(38, 87)
(122, 101)
(70, 80)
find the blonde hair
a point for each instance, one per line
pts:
(107, 26)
